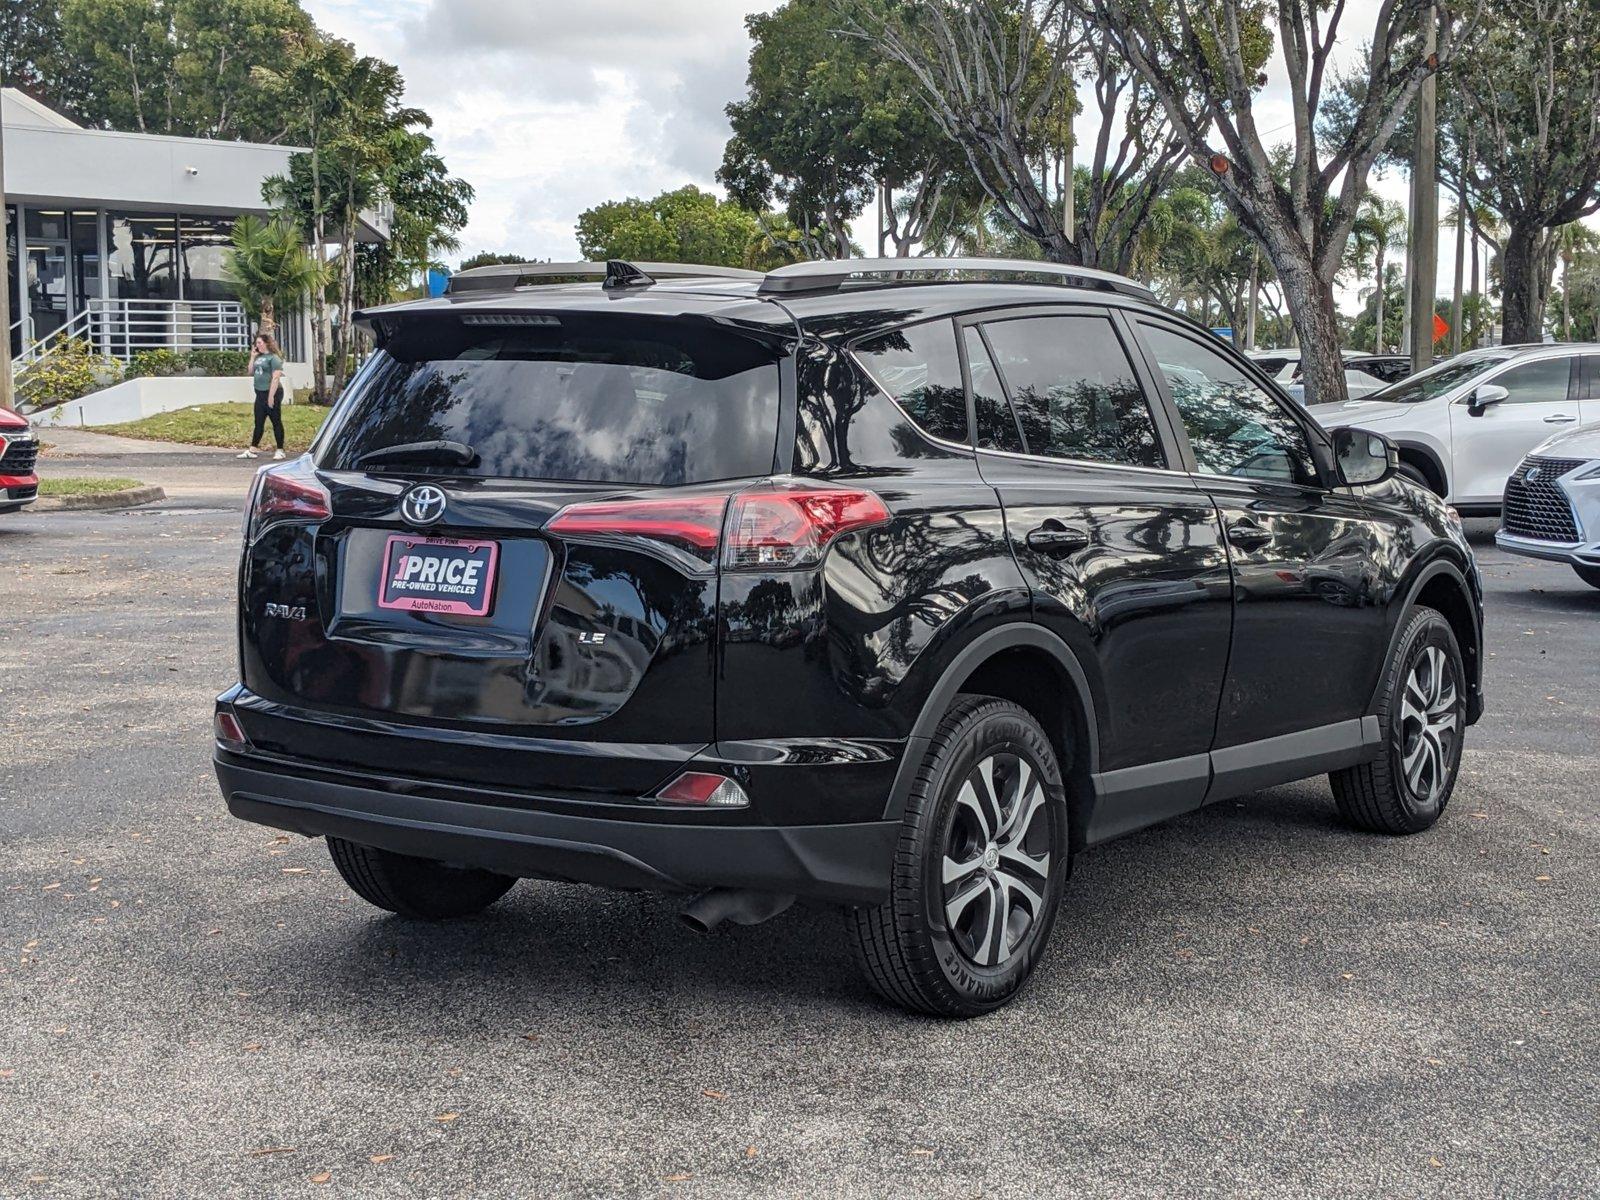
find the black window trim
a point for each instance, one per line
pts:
(1316, 437)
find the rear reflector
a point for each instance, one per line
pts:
(704, 790)
(230, 734)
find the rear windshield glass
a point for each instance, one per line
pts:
(603, 401)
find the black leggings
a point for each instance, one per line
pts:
(264, 413)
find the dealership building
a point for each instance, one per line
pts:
(119, 238)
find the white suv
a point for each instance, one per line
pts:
(1552, 503)
(1463, 425)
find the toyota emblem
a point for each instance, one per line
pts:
(423, 505)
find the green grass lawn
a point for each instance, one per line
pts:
(225, 425)
(82, 485)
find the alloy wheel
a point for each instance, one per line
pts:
(996, 865)
(1430, 722)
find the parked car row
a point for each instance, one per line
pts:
(19, 450)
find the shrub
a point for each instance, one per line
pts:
(69, 371)
(220, 362)
(157, 364)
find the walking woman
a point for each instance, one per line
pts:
(266, 370)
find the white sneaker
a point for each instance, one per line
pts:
(246, 454)
(275, 454)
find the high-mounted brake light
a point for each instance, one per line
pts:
(704, 790)
(783, 527)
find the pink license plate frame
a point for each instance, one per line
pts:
(438, 603)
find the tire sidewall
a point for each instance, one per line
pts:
(1002, 728)
(1431, 630)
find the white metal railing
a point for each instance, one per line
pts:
(121, 329)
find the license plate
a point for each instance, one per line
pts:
(439, 575)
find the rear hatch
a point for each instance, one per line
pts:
(499, 564)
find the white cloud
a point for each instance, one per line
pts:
(549, 107)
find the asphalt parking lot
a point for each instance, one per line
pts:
(1252, 1000)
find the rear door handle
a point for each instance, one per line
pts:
(1560, 419)
(1247, 535)
(1056, 540)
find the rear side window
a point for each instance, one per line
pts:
(583, 399)
(1074, 390)
(919, 367)
(997, 427)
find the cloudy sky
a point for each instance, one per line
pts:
(550, 106)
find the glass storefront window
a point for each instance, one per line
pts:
(142, 255)
(205, 242)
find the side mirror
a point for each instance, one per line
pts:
(1364, 457)
(1486, 394)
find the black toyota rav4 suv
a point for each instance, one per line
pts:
(891, 585)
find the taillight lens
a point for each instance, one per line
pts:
(290, 492)
(229, 733)
(782, 527)
(692, 524)
(702, 789)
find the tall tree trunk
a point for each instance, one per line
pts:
(1566, 293)
(319, 294)
(1316, 324)
(269, 317)
(1522, 301)
(1377, 334)
(1461, 264)
(1477, 294)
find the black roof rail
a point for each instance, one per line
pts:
(503, 277)
(831, 274)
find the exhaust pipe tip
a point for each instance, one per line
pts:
(710, 909)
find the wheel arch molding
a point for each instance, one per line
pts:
(1441, 584)
(1028, 664)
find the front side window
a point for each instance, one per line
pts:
(1541, 382)
(1074, 390)
(1234, 427)
(920, 368)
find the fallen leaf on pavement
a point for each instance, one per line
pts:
(265, 1150)
(321, 1177)
(680, 1177)
(379, 1158)
(750, 1151)
(446, 1118)
(713, 1094)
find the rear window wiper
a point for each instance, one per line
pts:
(455, 454)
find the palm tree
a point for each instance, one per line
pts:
(1382, 225)
(1572, 241)
(270, 267)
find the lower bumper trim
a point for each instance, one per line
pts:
(845, 863)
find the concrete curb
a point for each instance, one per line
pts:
(130, 498)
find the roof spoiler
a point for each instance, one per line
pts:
(616, 274)
(832, 274)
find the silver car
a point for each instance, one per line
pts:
(1551, 507)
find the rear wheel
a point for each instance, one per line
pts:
(1590, 575)
(1423, 717)
(415, 887)
(979, 869)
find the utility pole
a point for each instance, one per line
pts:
(6, 399)
(1423, 259)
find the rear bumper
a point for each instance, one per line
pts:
(848, 863)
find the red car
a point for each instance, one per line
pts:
(19, 449)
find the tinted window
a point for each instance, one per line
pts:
(1074, 390)
(1271, 366)
(997, 427)
(1589, 387)
(919, 367)
(1540, 382)
(586, 399)
(1441, 377)
(1235, 428)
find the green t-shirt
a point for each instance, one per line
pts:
(266, 364)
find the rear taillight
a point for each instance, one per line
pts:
(701, 789)
(781, 527)
(691, 524)
(291, 492)
(774, 527)
(230, 734)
